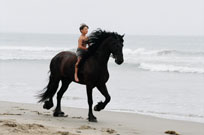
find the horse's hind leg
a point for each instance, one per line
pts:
(101, 105)
(58, 112)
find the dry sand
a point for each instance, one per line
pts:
(31, 119)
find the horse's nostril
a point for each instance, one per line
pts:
(119, 61)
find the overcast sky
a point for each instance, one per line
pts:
(138, 17)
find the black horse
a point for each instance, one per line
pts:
(93, 71)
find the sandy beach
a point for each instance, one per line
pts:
(24, 119)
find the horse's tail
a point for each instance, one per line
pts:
(54, 78)
(50, 90)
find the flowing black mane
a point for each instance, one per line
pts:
(96, 38)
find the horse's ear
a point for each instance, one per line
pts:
(123, 35)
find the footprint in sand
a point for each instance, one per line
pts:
(84, 127)
(38, 113)
(78, 117)
(108, 130)
(172, 132)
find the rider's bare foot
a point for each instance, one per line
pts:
(76, 78)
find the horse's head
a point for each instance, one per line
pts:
(113, 40)
(116, 49)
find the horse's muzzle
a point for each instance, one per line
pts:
(119, 61)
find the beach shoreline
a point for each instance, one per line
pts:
(24, 118)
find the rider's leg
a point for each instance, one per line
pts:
(76, 69)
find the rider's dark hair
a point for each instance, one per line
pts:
(83, 26)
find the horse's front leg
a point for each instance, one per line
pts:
(101, 105)
(89, 90)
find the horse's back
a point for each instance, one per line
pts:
(65, 54)
(61, 61)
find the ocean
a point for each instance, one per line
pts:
(162, 76)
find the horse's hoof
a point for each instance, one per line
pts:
(47, 105)
(59, 114)
(92, 119)
(96, 108)
(100, 106)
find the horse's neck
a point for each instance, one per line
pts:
(103, 54)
